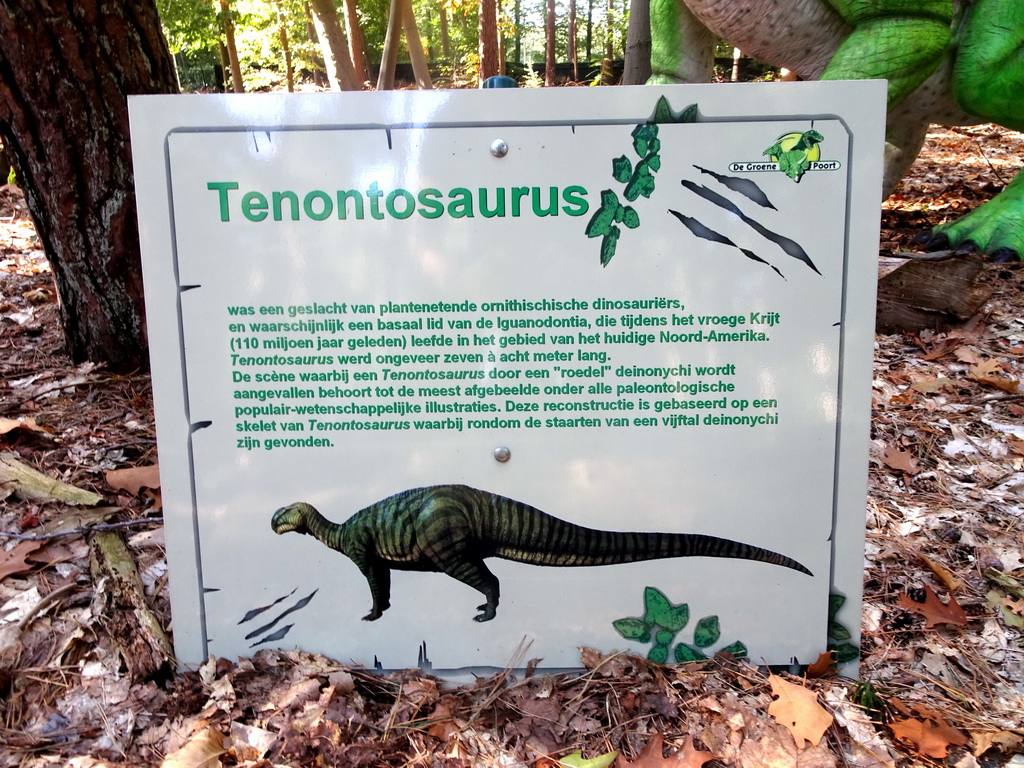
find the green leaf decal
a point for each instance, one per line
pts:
(658, 654)
(685, 653)
(600, 223)
(622, 169)
(658, 610)
(643, 135)
(619, 211)
(630, 218)
(835, 602)
(631, 629)
(707, 632)
(837, 631)
(846, 653)
(642, 183)
(737, 649)
(664, 637)
(663, 113)
(608, 245)
(654, 163)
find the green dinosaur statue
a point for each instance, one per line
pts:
(954, 62)
(451, 529)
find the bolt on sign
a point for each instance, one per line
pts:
(439, 371)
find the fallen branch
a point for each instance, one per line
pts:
(83, 529)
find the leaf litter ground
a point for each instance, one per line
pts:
(942, 677)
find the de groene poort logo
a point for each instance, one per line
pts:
(792, 153)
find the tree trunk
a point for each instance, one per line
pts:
(549, 47)
(573, 54)
(637, 68)
(446, 41)
(415, 46)
(282, 30)
(356, 44)
(590, 30)
(316, 60)
(519, 32)
(389, 56)
(229, 42)
(340, 74)
(488, 39)
(65, 68)
(609, 33)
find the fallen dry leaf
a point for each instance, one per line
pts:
(202, 751)
(991, 372)
(825, 666)
(797, 708)
(27, 423)
(933, 610)
(931, 739)
(897, 458)
(16, 560)
(652, 756)
(134, 479)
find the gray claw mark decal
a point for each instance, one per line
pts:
(297, 607)
(706, 233)
(745, 187)
(790, 246)
(279, 635)
(257, 611)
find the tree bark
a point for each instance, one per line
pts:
(356, 43)
(229, 42)
(65, 68)
(340, 73)
(488, 39)
(549, 47)
(415, 46)
(637, 68)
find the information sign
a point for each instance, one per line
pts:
(595, 360)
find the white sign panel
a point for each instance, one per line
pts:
(594, 360)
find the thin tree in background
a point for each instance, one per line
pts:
(415, 46)
(549, 47)
(316, 60)
(356, 43)
(446, 40)
(519, 31)
(282, 29)
(573, 54)
(590, 30)
(229, 44)
(637, 68)
(401, 16)
(340, 73)
(488, 39)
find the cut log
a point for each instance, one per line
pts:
(919, 294)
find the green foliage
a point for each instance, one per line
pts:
(194, 28)
(638, 178)
(662, 621)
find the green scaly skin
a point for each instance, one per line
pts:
(905, 42)
(451, 529)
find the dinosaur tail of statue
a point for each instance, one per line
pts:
(527, 535)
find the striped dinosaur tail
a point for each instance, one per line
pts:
(525, 534)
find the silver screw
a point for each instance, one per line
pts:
(499, 148)
(502, 454)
